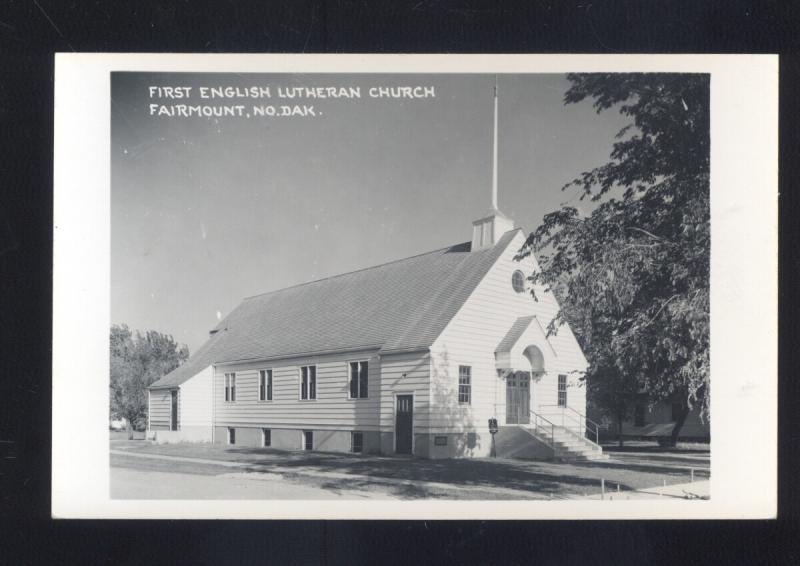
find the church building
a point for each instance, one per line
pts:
(414, 356)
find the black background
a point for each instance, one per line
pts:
(32, 31)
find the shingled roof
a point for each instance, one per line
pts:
(395, 307)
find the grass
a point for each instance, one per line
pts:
(530, 479)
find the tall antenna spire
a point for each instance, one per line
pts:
(494, 157)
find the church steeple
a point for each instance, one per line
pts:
(494, 150)
(486, 231)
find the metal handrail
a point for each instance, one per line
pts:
(546, 423)
(584, 418)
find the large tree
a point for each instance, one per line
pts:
(632, 277)
(137, 360)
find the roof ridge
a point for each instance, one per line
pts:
(354, 271)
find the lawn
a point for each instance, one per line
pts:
(528, 479)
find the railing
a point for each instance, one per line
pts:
(545, 428)
(585, 425)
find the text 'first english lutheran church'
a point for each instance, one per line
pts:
(321, 92)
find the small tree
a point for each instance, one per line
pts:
(136, 362)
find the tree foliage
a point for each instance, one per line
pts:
(632, 277)
(137, 360)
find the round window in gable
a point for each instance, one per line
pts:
(518, 281)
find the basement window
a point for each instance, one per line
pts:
(308, 440)
(440, 441)
(356, 442)
(231, 435)
(266, 437)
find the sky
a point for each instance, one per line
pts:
(208, 211)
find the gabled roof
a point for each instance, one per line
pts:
(395, 307)
(514, 333)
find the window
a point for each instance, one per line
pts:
(464, 385)
(638, 415)
(308, 440)
(356, 442)
(518, 281)
(266, 437)
(231, 435)
(562, 390)
(359, 378)
(308, 382)
(440, 441)
(230, 387)
(265, 385)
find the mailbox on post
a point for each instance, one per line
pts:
(493, 430)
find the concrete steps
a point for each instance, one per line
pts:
(567, 446)
(524, 442)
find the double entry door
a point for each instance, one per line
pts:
(518, 398)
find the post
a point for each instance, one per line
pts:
(602, 488)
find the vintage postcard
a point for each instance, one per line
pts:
(415, 287)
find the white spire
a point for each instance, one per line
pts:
(494, 155)
(487, 231)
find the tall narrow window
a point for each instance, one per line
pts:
(266, 437)
(562, 390)
(308, 382)
(230, 387)
(464, 385)
(308, 440)
(359, 379)
(265, 385)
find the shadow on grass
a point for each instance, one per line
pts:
(473, 473)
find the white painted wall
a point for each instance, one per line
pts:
(195, 400)
(472, 336)
(159, 404)
(332, 408)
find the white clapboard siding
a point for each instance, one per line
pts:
(160, 400)
(474, 333)
(406, 373)
(194, 400)
(332, 408)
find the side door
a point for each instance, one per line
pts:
(404, 424)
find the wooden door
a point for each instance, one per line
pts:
(173, 425)
(404, 424)
(518, 399)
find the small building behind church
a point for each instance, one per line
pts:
(409, 357)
